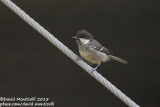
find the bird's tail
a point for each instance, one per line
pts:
(118, 59)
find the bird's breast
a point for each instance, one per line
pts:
(93, 56)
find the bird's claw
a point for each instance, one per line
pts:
(79, 58)
(93, 69)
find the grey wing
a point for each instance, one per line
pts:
(97, 46)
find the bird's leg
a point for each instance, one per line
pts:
(79, 58)
(94, 69)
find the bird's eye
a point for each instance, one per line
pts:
(83, 36)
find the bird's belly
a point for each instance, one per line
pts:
(94, 57)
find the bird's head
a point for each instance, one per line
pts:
(83, 37)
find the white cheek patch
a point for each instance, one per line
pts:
(84, 41)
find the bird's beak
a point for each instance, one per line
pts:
(74, 37)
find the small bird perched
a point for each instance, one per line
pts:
(92, 51)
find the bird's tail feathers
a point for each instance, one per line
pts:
(118, 59)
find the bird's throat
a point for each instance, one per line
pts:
(84, 41)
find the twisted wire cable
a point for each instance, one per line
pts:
(69, 53)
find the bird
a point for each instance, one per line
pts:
(92, 51)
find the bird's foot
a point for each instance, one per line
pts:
(79, 58)
(93, 69)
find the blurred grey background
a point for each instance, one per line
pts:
(32, 66)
